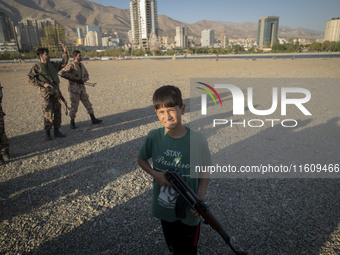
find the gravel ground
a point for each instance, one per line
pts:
(85, 194)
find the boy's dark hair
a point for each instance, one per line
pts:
(41, 51)
(75, 53)
(167, 96)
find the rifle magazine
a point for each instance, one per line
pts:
(181, 205)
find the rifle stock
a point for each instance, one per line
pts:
(198, 205)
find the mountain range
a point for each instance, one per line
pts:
(79, 13)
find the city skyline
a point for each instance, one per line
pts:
(312, 14)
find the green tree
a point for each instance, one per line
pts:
(267, 45)
(237, 49)
(315, 46)
(326, 45)
(277, 47)
(251, 50)
(337, 46)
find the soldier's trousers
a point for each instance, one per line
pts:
(3, 138)
(78, 93)
(52, 112)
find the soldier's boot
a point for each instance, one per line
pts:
(94, 120)
(48, 136)
(5, 154)
(72, 124)
(57, 133)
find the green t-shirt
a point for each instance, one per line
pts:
(170, 153)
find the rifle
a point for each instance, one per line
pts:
(198, 205)
(57, 90)
(91, 84)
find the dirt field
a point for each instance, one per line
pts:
(85, 194)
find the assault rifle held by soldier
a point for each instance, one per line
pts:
(77, 75)
(189, 196)
(57, 92)
(91, 84)
(41, 75)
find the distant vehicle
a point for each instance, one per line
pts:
(106, 58)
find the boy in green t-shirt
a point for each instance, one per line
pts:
(169, 148)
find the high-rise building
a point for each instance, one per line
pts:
(80, 40)
(79, 33)
(42, 24)
(54, 35)
(267, 32)
(33, 33)
(8, 39)
(181, 37)
(7, 33)
(93, 28)
(93, 38)
(224, 41)
(332, 32)
(208, 38)
(144, 22)
(28, 34)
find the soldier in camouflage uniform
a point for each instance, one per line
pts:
(77, 75)
(42, 75)
(4, 145)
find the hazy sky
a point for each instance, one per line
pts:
(312, 14)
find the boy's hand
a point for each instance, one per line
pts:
(161, 179)
(196, 214)
(202, 195)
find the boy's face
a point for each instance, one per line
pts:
(170, 117)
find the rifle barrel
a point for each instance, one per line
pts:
(198, 205)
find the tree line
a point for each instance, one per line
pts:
(289, 47)
(292, 46)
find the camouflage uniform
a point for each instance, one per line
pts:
(77, 71)
(50, 105)
(4, 145)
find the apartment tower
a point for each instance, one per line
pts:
(144, 22)
(7, 32)
(332, 32)
(181, 37)
(28, 34)
(208, 38)
(267, 30)
(224, 41)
